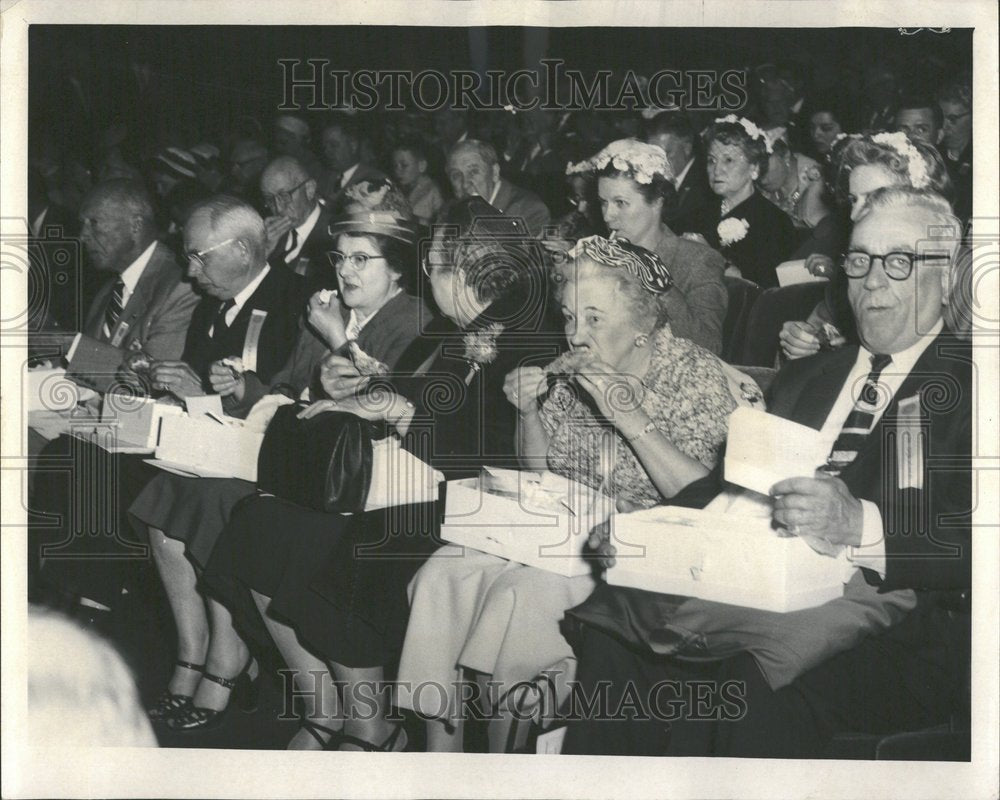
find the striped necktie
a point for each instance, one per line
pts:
(290, 244)
(860, 421)
(114, 310)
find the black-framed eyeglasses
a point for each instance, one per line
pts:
(953, 118)
(897, 265)
(199, 255)
(357, 260)
(284, 198)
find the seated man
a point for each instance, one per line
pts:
(343, 150)
(297, 236)
(906, 530)
(473, 168)
(147, 306)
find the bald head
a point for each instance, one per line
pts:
(225, 240)
(117, 223)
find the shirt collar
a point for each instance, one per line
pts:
(903, 361)
(247, 291)
(496, 191)
(683, 174)
(348, 174)
(130, 276)
(306, 227)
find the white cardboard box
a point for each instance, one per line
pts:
(725, 557)
(539, 520)
(208, 448)
(50, 389)
(137, 419)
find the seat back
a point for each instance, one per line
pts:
(772, 309)
(742, 294)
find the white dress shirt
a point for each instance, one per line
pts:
(240, 299)
(348, 174)
(302, 232)
(683, 174)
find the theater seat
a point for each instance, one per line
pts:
(742, 294)
(772, 309)
(947, 742)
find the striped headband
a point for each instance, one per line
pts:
(621, 253)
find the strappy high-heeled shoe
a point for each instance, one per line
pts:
(243, 693)
(388, 746)
(170, 703)
(327, 738)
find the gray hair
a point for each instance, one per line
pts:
(288, 164)
(233, 217)
(944, 225)
(483, 149)
(131, 195)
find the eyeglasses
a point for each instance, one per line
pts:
(358, 260)
(199, 255)
(283, 198)
(897, 265)
(953, 118)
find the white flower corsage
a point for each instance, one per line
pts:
(916, 167)
(368, 193)
(732, 230)
(640, 160)
(751, 129)
(481, 347)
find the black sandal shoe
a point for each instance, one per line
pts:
(243, 693)
(170, 703)
(386, 747)
(327, 738)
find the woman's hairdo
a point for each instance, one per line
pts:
(641, 277)
(755, 148)
(896, 153)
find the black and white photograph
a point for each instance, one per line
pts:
(490, 399)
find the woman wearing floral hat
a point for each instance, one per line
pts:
(749, 230)
(633, 181)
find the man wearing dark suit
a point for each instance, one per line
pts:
(343, 149)
(297, 230)
(249, 311)
(473, 169)
(147, 306)
(893, 500)
(673, 132)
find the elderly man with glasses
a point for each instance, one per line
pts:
(892, 501)
(298, 221)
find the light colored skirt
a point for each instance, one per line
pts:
(473, 610)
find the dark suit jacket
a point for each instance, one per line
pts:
(693, 202)
(770, 239)
(155, 320)
(311, 258)
(282, 294)
(517, 202)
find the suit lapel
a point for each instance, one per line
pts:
(144, 289)
(504, 195)
(821, 391)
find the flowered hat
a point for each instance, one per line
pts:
(639, 160)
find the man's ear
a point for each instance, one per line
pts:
(310, 188)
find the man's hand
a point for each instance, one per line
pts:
(177, 378)
(274, 229)
(225, 381)
(821, 510)
(798, 340)
(340, 378)
(599, 542)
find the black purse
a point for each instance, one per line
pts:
(323, 463)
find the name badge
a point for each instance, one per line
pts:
(120, 332)
(910, 435)
(252, 338)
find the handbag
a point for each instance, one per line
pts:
(323, 463)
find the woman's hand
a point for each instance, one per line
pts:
(326, 318)
(177, 378)
(819, 265)
(225, 381)
(798, 340)
(340, 378)
(618, 395)
(523, 386)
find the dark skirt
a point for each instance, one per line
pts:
(192, 510)
(339, 579)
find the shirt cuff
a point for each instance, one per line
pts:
(870, 554)
(72, 347)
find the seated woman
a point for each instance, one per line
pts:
(830, 119)
(861, 166)
(633, 180)
(372, 322)
(503, 618)
(794, 183)
(330, 588)
(749, 230)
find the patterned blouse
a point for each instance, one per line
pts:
(688, 398)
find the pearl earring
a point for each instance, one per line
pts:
(641, 340)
